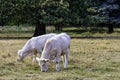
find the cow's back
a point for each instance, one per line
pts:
(39, 42)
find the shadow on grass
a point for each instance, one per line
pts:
(16, 31)
(79, 32)
(84, 30)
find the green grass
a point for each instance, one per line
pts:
(16, 31)
(23, 31)
(91, 32)
(90, 59)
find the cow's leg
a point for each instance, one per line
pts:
(58, 66)
(66, 58)
(34, 56)
(63, 58)
(57, 63)
(65, 61)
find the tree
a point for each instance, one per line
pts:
(78, 12)
(30, 12)
(52, 12)
(34, 12)
(107, 12)
(5, 12)
(56, 13)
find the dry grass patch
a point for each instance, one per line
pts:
(89, 60)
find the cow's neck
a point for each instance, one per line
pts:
(45, 54)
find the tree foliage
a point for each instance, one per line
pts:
(33, 11)
(104, 12)
(50, 12)
(5, 11)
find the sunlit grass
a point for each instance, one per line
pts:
(89, 60)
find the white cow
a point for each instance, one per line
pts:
(55, 47)
(33, 46)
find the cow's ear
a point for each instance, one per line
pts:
(38, 59)
(46, 60)
(42, 60)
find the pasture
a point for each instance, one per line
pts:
(90, 59)
(27, 31)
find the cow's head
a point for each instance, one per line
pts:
(43, 63)
(23, 53)
(20, 58)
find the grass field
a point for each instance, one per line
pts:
(90, 59)
(24, 31)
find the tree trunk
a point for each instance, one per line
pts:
(40, 29)
(110, 28)
(58, 28)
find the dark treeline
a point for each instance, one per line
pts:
(54, 12)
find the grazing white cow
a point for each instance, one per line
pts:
(55, 47)
(33, 46)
